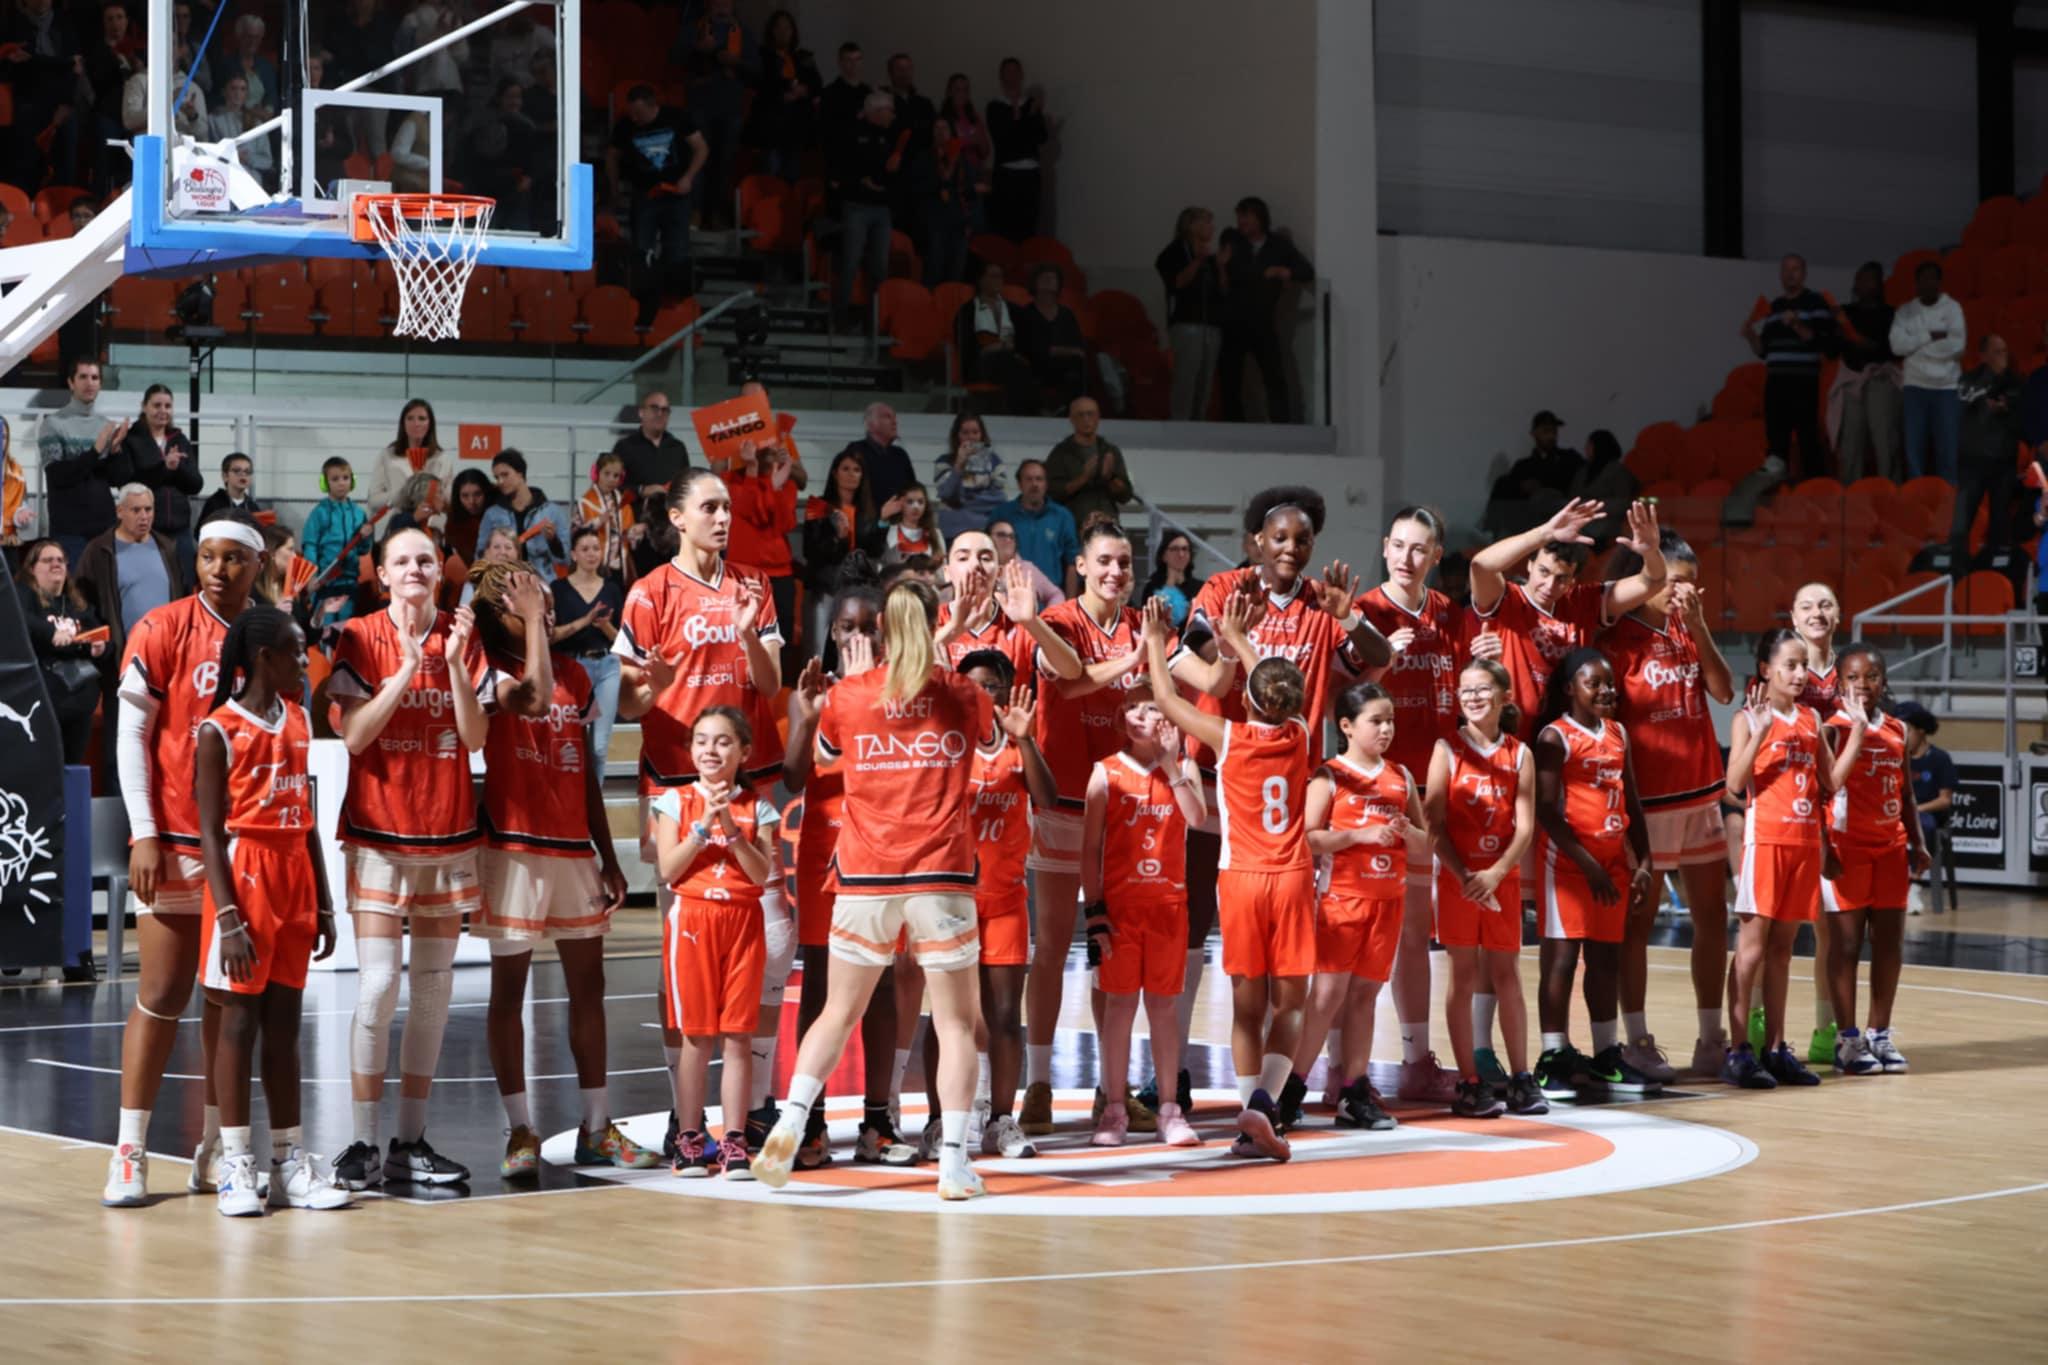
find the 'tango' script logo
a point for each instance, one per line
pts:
(924, 747)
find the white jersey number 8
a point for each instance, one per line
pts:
(1273, 812)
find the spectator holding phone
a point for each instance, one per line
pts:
(587, 607)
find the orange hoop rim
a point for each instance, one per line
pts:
(415, 207)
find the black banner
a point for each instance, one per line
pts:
(31, 803)
(1977, 822)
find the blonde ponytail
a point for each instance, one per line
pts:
(907, 619)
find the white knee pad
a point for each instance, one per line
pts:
(432, 978)
(369, 1036)
(781, 931)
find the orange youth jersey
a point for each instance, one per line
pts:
(1261, 793)
(267, 791)
(1595, 795)
(908, 766)
(1076, 733)
(1365, 800)
(1295, 628)
(996, 632)
(1479, 806)
(1662, 698)
(1423, 678)
(1002, 821)
(1823, 692)
(409, 792)
(1868, 813)
(715, 874)
(1784, 788)
(534, 795)
(1144, 834)
(1535, 641)
(689, 621)
(172, 662)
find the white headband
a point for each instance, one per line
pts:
(239, 532)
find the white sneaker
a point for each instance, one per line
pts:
(297, 1183)
(961, 1183)
(237, 1193)
(778, 1153)
(929, 1141)
(1885, 1050)
(127, 1178)
(1005, 1138)
(205, 1175)
(1916, 899)
(977, 1122)
(1645, 1056)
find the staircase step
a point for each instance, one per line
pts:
(811, 374)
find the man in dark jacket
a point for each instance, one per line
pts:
(171, 471)
(1989, 462)
(887, 464)
(1016, 132)
(653, 456)
(76, 445)
(1258, 268)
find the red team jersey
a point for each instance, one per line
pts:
(1261, 793)
(409, 792)
(1002, 823)
(1662, 698)
(1423, 678)
(267, 791)
(690, 621)
(1144, 834)
(1076, 733)
(908, 766)
(1823, 691)
(1784, 789)
(1365, 800)
(995, 632)
(173, 659)
(1535, 641)
(1479, 807)
(1868, 813)
(1595, 795)
(535, 799)
(1294, 628)
(715, 874)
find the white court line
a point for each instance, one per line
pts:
(1060, 1277)
(315, 1014)
(343, 1080)
(1909, 986)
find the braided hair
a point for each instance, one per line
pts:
(256, 629)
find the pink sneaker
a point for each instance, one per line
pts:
(1174, 1128)
(1112, 1126)
(1426, 1082)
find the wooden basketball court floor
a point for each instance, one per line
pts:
(1879, 1218)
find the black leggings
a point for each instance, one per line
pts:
(1204, 851)
(1792, 412)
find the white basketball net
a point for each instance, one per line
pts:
(432, 252)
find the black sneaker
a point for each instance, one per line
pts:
(417, 1163)
(1742, 1069)
(1475, 1100)
(1258, 1122)
(1785, 1067)
(759, 1121)
(668, 1138)
(1357, 1108)
(1291, 1096)
(1523, 1096)
(1183, 1092)
(1559, 1072)
(359, 1166)
(696, 1156)
(1611, 1070)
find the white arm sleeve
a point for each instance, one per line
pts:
(131, 750)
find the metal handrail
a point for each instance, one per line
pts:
(689, 370)
(1157, 521)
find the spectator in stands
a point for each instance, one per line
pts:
(543, 106)
(1004, 535)
(542, 527)
(606, 507)
(1928, 335)
(16, 516)
(185, 49)
(888, 466)
(1989, 451)
(412, 159)
(655, 155)
(1173, 576)
(1792, 336)
(57, 614)
(654, 458)
(76, 445)
(246, 60)
(917, 179)
(439, 73)
(191, 118)
(237, 478)
(415, 449)
(1934, 790)
(44, 76)
(1050, 341)
(1045, 534)
(235, 117)
(1086, 471)
(1454, 578)
(1193, 275)
(2034, 401)
(1864, 404)
(1535, 485)
(719, 54)
(363, 40)
(977, 151)
(1602, 477)
(1017, 131)
(763, 515)
(839, 520)
(501, 146)
(785, 435)
(331, 527)
(109, 61)
(520, 42)
(985, 339)
(1258, 267)
(420, 504)
(469, 497)
(840, 109)
(130, 570)
(952, 208)
(588, 605)
(156, 455)
(871, 170)
(785, 120)
(968, 478)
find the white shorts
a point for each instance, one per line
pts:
(1055, 842)
(528, 897)
(943, 929)
(381, 883)
(1687, 836)
(180, 882)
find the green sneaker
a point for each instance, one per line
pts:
(1490, 1069)
(1821, 1052)
(1756, 1031)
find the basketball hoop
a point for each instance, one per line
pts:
(432, 242)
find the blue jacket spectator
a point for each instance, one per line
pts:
(1046, 534)
(521, 509)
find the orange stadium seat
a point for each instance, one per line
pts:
(16, 201)
(1960, 267)
(2001, 273)
(1993, 222)
(2031, 224)
(609, 314)
(1742, 394)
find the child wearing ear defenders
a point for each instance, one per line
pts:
(330, 526)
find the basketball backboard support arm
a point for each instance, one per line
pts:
(53, 280)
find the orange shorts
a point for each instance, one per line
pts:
(1357, 937)
(1148, 948)
(279, 901)
(1779, 881)
(1869, 881)
(714, 957)
(1566, 901)
(1268, 921)
(1005, 917)
(1462, 923)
